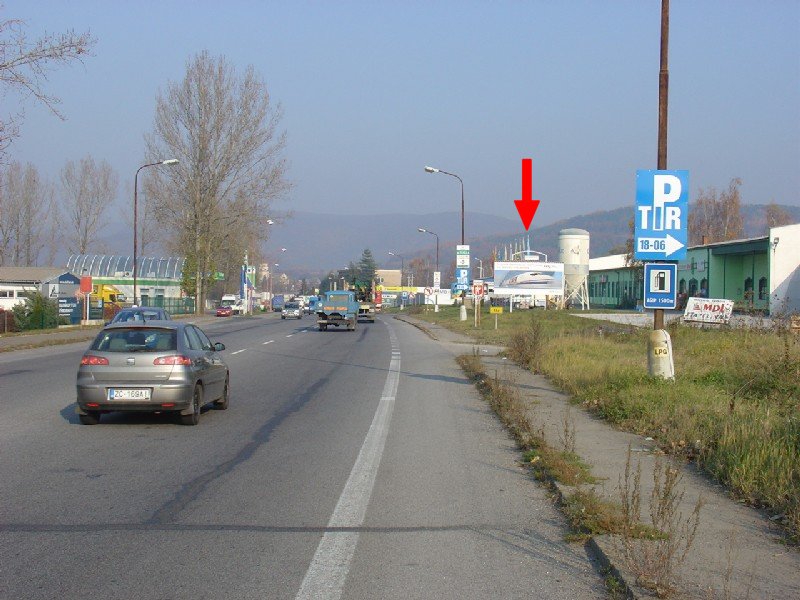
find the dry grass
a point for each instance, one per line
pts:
(734, 406)
(655, 559)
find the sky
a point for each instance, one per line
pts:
(374, 91)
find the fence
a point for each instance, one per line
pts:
(174, 306)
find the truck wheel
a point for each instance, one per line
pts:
(323, 327)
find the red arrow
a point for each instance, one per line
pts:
(527, 206)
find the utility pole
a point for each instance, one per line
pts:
(663, 96)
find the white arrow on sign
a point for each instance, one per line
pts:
(668, 245)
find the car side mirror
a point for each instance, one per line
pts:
(219, 347)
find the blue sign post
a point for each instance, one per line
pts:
(660, 291)
(662, 211)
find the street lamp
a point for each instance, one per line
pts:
(434, 170)
(422, 230)
(169, 161)
(480, 266)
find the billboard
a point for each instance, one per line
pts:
(528, 278)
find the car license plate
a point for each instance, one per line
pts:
(128, 394)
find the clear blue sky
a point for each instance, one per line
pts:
(373, 91)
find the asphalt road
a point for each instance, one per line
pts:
(350, 464)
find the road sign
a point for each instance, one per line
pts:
(462, 255)
(437, 280)
(428, 291)
(496, 310)
(477, 288)
(660, 291)
(662, 211)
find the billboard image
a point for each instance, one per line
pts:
(528, 278)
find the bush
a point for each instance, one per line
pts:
(37, 312)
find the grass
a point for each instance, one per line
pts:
(734, 406)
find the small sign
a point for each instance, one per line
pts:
(428, 291)
(477, 288)
(437, 280)
(86, 284)
(659, 286)
(462, 256)
(496, 310)
(708, 310)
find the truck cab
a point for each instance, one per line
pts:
(339, 308)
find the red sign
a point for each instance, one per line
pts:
(86, 284)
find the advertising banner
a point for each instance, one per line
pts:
(708, 310)
(526, 278)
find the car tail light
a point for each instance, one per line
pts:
(168, 405)
(175, 359)
(90, 359)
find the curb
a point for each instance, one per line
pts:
(597, 546)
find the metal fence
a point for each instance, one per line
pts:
(174, 306)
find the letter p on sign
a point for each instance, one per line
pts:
(666, 188)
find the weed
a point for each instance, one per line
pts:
(654, 559)
(733, 407)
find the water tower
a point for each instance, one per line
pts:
(573, 251)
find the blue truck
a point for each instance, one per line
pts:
(277, 302)
(339, 307)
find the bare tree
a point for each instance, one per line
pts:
(717, 216)
(223, 129)
(87, 190)
(26, 216)
(24, 65)
(775, 216)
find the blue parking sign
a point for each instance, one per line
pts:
(662, 213)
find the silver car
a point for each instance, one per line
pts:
(152, 366)
(291, 310)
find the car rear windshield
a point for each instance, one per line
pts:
(137, 315)
(292, 305)
(139, 339)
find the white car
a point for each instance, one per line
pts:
(291, 310)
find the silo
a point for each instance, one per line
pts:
(573, 251)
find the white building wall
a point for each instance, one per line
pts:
(784, 269)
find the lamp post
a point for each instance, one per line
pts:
(402, 264)
(436, 290)
(480, 266)
(434, 170)
(169, 161)
(423, 230)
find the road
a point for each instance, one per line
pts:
(350, 464)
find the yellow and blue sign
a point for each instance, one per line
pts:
(662, 213)
(660, 291)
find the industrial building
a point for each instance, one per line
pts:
(758, 274)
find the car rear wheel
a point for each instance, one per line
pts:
(323, 327)
(222, 403)
(90, 418)
(197, 402)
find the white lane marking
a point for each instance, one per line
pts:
(290, 335)
(238, 351)
(328, 570)
(269, 342)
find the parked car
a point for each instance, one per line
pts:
(151, 366)
(292, 310)
(140, 313)
(225, 311)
